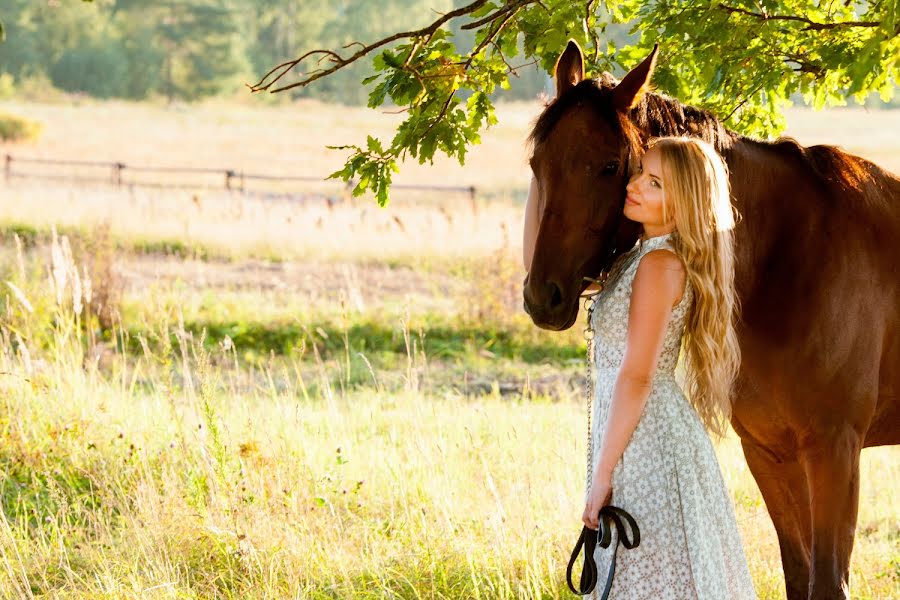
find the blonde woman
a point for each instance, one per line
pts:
(652, 453)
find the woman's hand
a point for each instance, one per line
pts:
(601, 495)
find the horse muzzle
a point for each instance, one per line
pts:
(549, 304)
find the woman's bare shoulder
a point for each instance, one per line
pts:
(661, 272)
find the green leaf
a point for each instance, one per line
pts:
(374, 145)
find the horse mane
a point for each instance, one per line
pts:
(663, 116)
(659, 115)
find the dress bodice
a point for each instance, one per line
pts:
(609, 320)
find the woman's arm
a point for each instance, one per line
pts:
(656, 289)
(531, 224)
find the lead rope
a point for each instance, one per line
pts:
(590, 302)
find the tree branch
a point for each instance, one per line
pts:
(810, 24)
(804, 65)
(496, 29)
(589, 7)
(343, 62)
(516, 5)
(747, 97)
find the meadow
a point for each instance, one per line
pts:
(208, 395)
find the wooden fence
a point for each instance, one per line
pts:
(119, 174)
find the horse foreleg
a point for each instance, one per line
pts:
(832, 467)
(784, 490)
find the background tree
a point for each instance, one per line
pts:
(185, 49)
(740, 59)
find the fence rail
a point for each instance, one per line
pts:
(233, 179)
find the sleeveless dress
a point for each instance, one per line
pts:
(668, 478)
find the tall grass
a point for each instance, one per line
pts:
(181, 472)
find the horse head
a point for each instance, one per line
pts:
(584, 147)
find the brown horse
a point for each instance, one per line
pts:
(817, 275)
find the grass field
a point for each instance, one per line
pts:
(266, 399)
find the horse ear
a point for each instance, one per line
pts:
(569, 70)
(628, 93)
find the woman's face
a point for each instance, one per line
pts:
(645, 193)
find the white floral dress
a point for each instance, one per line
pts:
(669, 478)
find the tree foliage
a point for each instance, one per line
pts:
(126, 48)
(741, 59)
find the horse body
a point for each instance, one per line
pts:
(820, 358)
(820, 294)
(816, 273)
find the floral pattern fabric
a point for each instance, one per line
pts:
(668, 478)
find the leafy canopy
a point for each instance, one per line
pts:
(741, 59)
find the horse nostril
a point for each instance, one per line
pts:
(555, 295)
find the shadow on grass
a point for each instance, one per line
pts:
(373, 338)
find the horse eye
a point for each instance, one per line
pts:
(610, 169)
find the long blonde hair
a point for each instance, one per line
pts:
(696, 187)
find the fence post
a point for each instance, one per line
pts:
(228, 175)
(7, 170)
(117, 173)
(472, 200)
(348, 190)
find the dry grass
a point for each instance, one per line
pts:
(233, 226)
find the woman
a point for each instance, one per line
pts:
(652, 455)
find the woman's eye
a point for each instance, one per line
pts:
(610, 169)
(654, 183)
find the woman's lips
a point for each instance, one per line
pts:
(630, 200)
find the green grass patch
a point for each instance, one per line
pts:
(37, 486)
(438, 336)
(33, 235)
(18, 129)
(177, 248)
